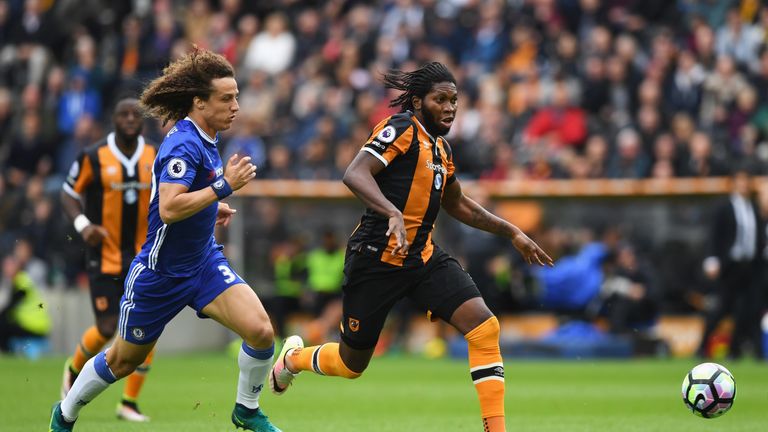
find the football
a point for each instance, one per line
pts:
(709, 390)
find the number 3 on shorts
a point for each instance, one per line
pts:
(227, 273)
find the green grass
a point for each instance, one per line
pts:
(196, 393)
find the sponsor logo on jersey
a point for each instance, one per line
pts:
(177, 168)
(438, 168)
(387, 135)
(378, 144)
(129, 185)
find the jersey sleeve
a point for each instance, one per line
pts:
(79, 177)
(390, 138)
(179, 163)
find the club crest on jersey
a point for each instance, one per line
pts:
(130, 196)
(387, 134)
(438, 181)
(137, 333)
(177, 168)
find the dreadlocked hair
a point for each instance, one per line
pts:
(415, 84)
(169, 96)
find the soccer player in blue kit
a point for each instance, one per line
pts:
(180, 263)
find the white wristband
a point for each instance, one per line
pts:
(81, 223)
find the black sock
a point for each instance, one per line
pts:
(130, 404)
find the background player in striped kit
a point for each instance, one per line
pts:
(404, 174)
(106, 194)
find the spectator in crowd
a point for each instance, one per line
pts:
(720, 90)
(271, 50)
(78, 101)
(630, 159)
(739, 40)
(700, 161)
(558, 124)
(685, 85)
(664, 157)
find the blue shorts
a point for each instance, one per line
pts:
(151, 301)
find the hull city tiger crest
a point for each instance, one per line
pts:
(354, 324)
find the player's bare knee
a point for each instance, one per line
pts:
(259, 334)
(122, 367)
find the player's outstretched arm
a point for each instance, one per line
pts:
(359, 179)
(473, 214)
(177, 204)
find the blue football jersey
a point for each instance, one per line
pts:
(190, 157)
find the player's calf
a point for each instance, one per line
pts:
(487, 370)
(322, 359)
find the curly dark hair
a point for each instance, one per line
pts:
(169, 96)
(415, 84)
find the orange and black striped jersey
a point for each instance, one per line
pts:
(114, 189)
(418, 166)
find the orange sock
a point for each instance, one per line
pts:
(487, 370)
(135, 381)
(322, 359)
(90, 344)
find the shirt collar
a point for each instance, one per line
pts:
(421, 126)
(202, 132)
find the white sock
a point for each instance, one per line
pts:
(254, 365)
(93, 379)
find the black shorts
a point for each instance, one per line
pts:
(371, 287)
(106, 291)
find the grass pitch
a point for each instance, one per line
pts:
(196, 393)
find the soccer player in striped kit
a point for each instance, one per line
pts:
(106, 194)
(180, 263)
(404, 174)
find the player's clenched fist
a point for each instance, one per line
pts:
(239, 171)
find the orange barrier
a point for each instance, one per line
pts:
(324, 189)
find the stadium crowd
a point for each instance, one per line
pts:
(549, 89)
